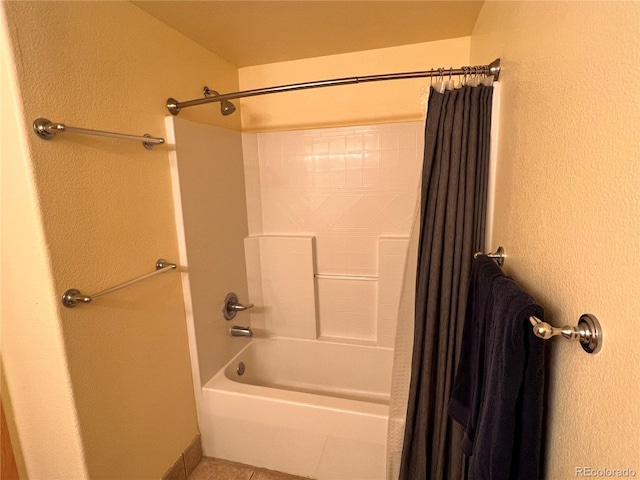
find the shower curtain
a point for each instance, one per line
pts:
(426, 444)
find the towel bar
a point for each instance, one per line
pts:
(73, 297)
(47, 130)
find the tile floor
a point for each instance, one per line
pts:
(215, 469)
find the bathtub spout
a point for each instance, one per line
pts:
(240, 331)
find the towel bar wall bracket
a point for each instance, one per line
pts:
(588, 331)
(73, 297)
(498, 257)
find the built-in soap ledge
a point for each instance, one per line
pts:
(349, 341)
(334, 276)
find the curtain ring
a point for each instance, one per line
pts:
(463, 82)
(450, 71)
(431, 78)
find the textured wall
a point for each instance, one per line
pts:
(363, 104)
(106, 207)
(28, 311)
(568, 206)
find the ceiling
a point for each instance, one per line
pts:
(249, 33)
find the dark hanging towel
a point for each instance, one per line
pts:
(498, 392)
(452, 229)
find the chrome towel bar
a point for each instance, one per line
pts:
(47, 130)
(73, 297)
(588, 331)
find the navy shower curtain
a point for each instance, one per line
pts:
(452, 228)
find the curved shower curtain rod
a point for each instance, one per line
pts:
(174, 107)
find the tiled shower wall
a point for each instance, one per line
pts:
(351, 188)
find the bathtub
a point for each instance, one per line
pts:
(306, 407)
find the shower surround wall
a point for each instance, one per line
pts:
(334, 201)
(210, 212)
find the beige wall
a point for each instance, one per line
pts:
(33, 366)
(568, 206)
(363, 104)
(105, 217)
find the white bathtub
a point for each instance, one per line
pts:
(306, 407)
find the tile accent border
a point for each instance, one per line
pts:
(186, 462)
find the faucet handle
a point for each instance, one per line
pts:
(239, 308)
(232, 306)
